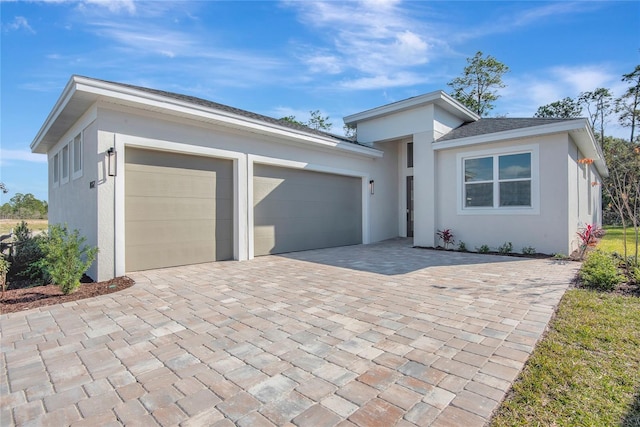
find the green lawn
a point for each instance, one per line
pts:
(586, 370)
(613, 241)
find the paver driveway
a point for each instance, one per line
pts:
(370, 335)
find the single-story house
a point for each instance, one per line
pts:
(157, 179)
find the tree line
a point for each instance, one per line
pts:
(24, 206)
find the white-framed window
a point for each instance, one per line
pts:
(499, 181)
(64, 165)
(56, 169)
(76, 154)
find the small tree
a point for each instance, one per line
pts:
(316, 121)
(628, 105)
(67, 257)
(623, 185)
(567, 108)
(599, 105)
(477, 87)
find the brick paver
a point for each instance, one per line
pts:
(381, 334)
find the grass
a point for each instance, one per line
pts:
(613, 241)
(37, 225)
(586, 370)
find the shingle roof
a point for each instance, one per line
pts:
(494, 125)
(217, 106)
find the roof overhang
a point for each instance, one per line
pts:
(579, 130)
(81, 93)
(439, 98)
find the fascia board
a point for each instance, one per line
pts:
(57, 109)
(439, 97)
(191, 110)
(116, 94)
(579, 129)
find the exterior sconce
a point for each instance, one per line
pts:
(111, 161)
(371, 187)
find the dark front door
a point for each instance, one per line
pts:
(410, 206)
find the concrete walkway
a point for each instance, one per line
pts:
(374, 335)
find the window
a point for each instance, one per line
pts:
(410, 155)
(498, 181)
(76, 149)
(56, 169)
(65, 164)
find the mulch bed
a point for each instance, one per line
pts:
(26, 298)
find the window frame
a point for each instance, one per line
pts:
(56, 169)
(76, 146)
(495, 154)
(65, 150)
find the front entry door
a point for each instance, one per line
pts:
(410, 206)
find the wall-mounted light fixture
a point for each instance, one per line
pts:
(111, 161)
(371, 187)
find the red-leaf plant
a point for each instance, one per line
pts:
(588, 236)
(447, 237)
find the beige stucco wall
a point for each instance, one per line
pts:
(128, 126)
(74, 203)
(546, 230)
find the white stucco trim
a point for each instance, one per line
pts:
(534, 149)
(579, 129)
(240, 249)
(84, 89)
(271, 161)
(439, 97)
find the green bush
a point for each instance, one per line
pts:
(27, 256)
(507, 248)
(528, 250)
(66, 257)
(600, 271)
(462, 246)
(484, 249)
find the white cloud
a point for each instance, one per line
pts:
(7, 156)
(525, 93)
(386, 80)
(18, 23)
(114, 6)
(376, 40)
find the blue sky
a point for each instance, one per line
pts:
(289, 57)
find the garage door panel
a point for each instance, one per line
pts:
(299, 210)
(178, 209)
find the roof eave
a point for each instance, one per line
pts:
(439, 98)
(579, 129)
(123, 95)
(66, 95)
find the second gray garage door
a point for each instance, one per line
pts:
(178, 209)
(296, 210)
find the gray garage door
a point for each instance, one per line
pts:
(296, 210)
(178, 209)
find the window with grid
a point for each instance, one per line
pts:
(498, 181)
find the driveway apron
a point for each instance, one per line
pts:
(370, 335)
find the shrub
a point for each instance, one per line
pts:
(528, 250)
(484, 249)
(27, 255)
(4, 268)
(462, 246)
(66, 257)
(588, 237)
(600, 271)
(447, 237)
(506, 248)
